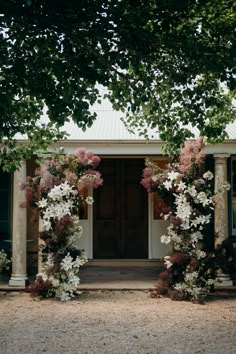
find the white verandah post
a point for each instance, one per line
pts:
(19, 230)
(221, 210)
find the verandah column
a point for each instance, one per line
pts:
(221, 208)
(19, 230)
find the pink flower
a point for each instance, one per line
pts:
(90, 179)
(96, 160)
(175, 220)
(191, 155)
(80, 153)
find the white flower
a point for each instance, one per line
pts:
(181, 186)
(47, 225)
(167, 262)
(208, 175)
(200, 181)
(60, 191)
(49, 262)
(42, 203)
(192, 191)
(64, 296)
(67, 262)
(80, 261)
(55, 282)
(167, 184)
(200, 254)
(4, 261)
(43, 276)
(74, 280)
(210, 281)
(166, 216)
(154, 178)
(173, 175)
(202, 219)
(189, 277)
(196, 236)
(183, 210)
(165, 239)
(195, 291)
(177, 240)
(180, 286)
(56, 211)
(203, 199)
(89, 200)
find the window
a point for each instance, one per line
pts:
(233, 193)
(5, 209)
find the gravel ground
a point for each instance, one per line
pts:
(116, 322)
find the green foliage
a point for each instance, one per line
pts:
(168, 63)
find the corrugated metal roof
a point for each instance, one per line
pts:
(109, 126)
(231, 131)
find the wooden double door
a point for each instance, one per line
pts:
(120, 221)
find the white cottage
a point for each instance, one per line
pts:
(122, 224)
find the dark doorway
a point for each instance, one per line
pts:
(121, 211)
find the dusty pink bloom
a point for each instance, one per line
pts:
(175, 220)
(91, 179)
(89, 155)
(62, 224)
(23, 185)
(96, 160)
(80, 153)
(147, 181)
(191, 154)
(48, 181)
(178, 258)
(71, 177)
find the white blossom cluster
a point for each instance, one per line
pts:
(75, 233)
(193, 204)
(189, 285)
(4, 261)
(188, 199)
(62, 190)
(59, 203)
(65, 282)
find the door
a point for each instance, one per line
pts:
(121, 211)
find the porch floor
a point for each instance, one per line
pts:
(120, 278)
(108, 278)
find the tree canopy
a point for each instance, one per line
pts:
(166, 64)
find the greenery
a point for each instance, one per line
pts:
(166, 63)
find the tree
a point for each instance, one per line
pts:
(166, 63)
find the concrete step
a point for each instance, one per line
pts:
(124, 263)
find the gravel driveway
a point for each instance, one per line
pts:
(116, 322)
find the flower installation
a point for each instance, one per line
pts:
(4, 261)
(187, 191)
(58, 191)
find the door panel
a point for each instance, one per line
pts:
(120, 211)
